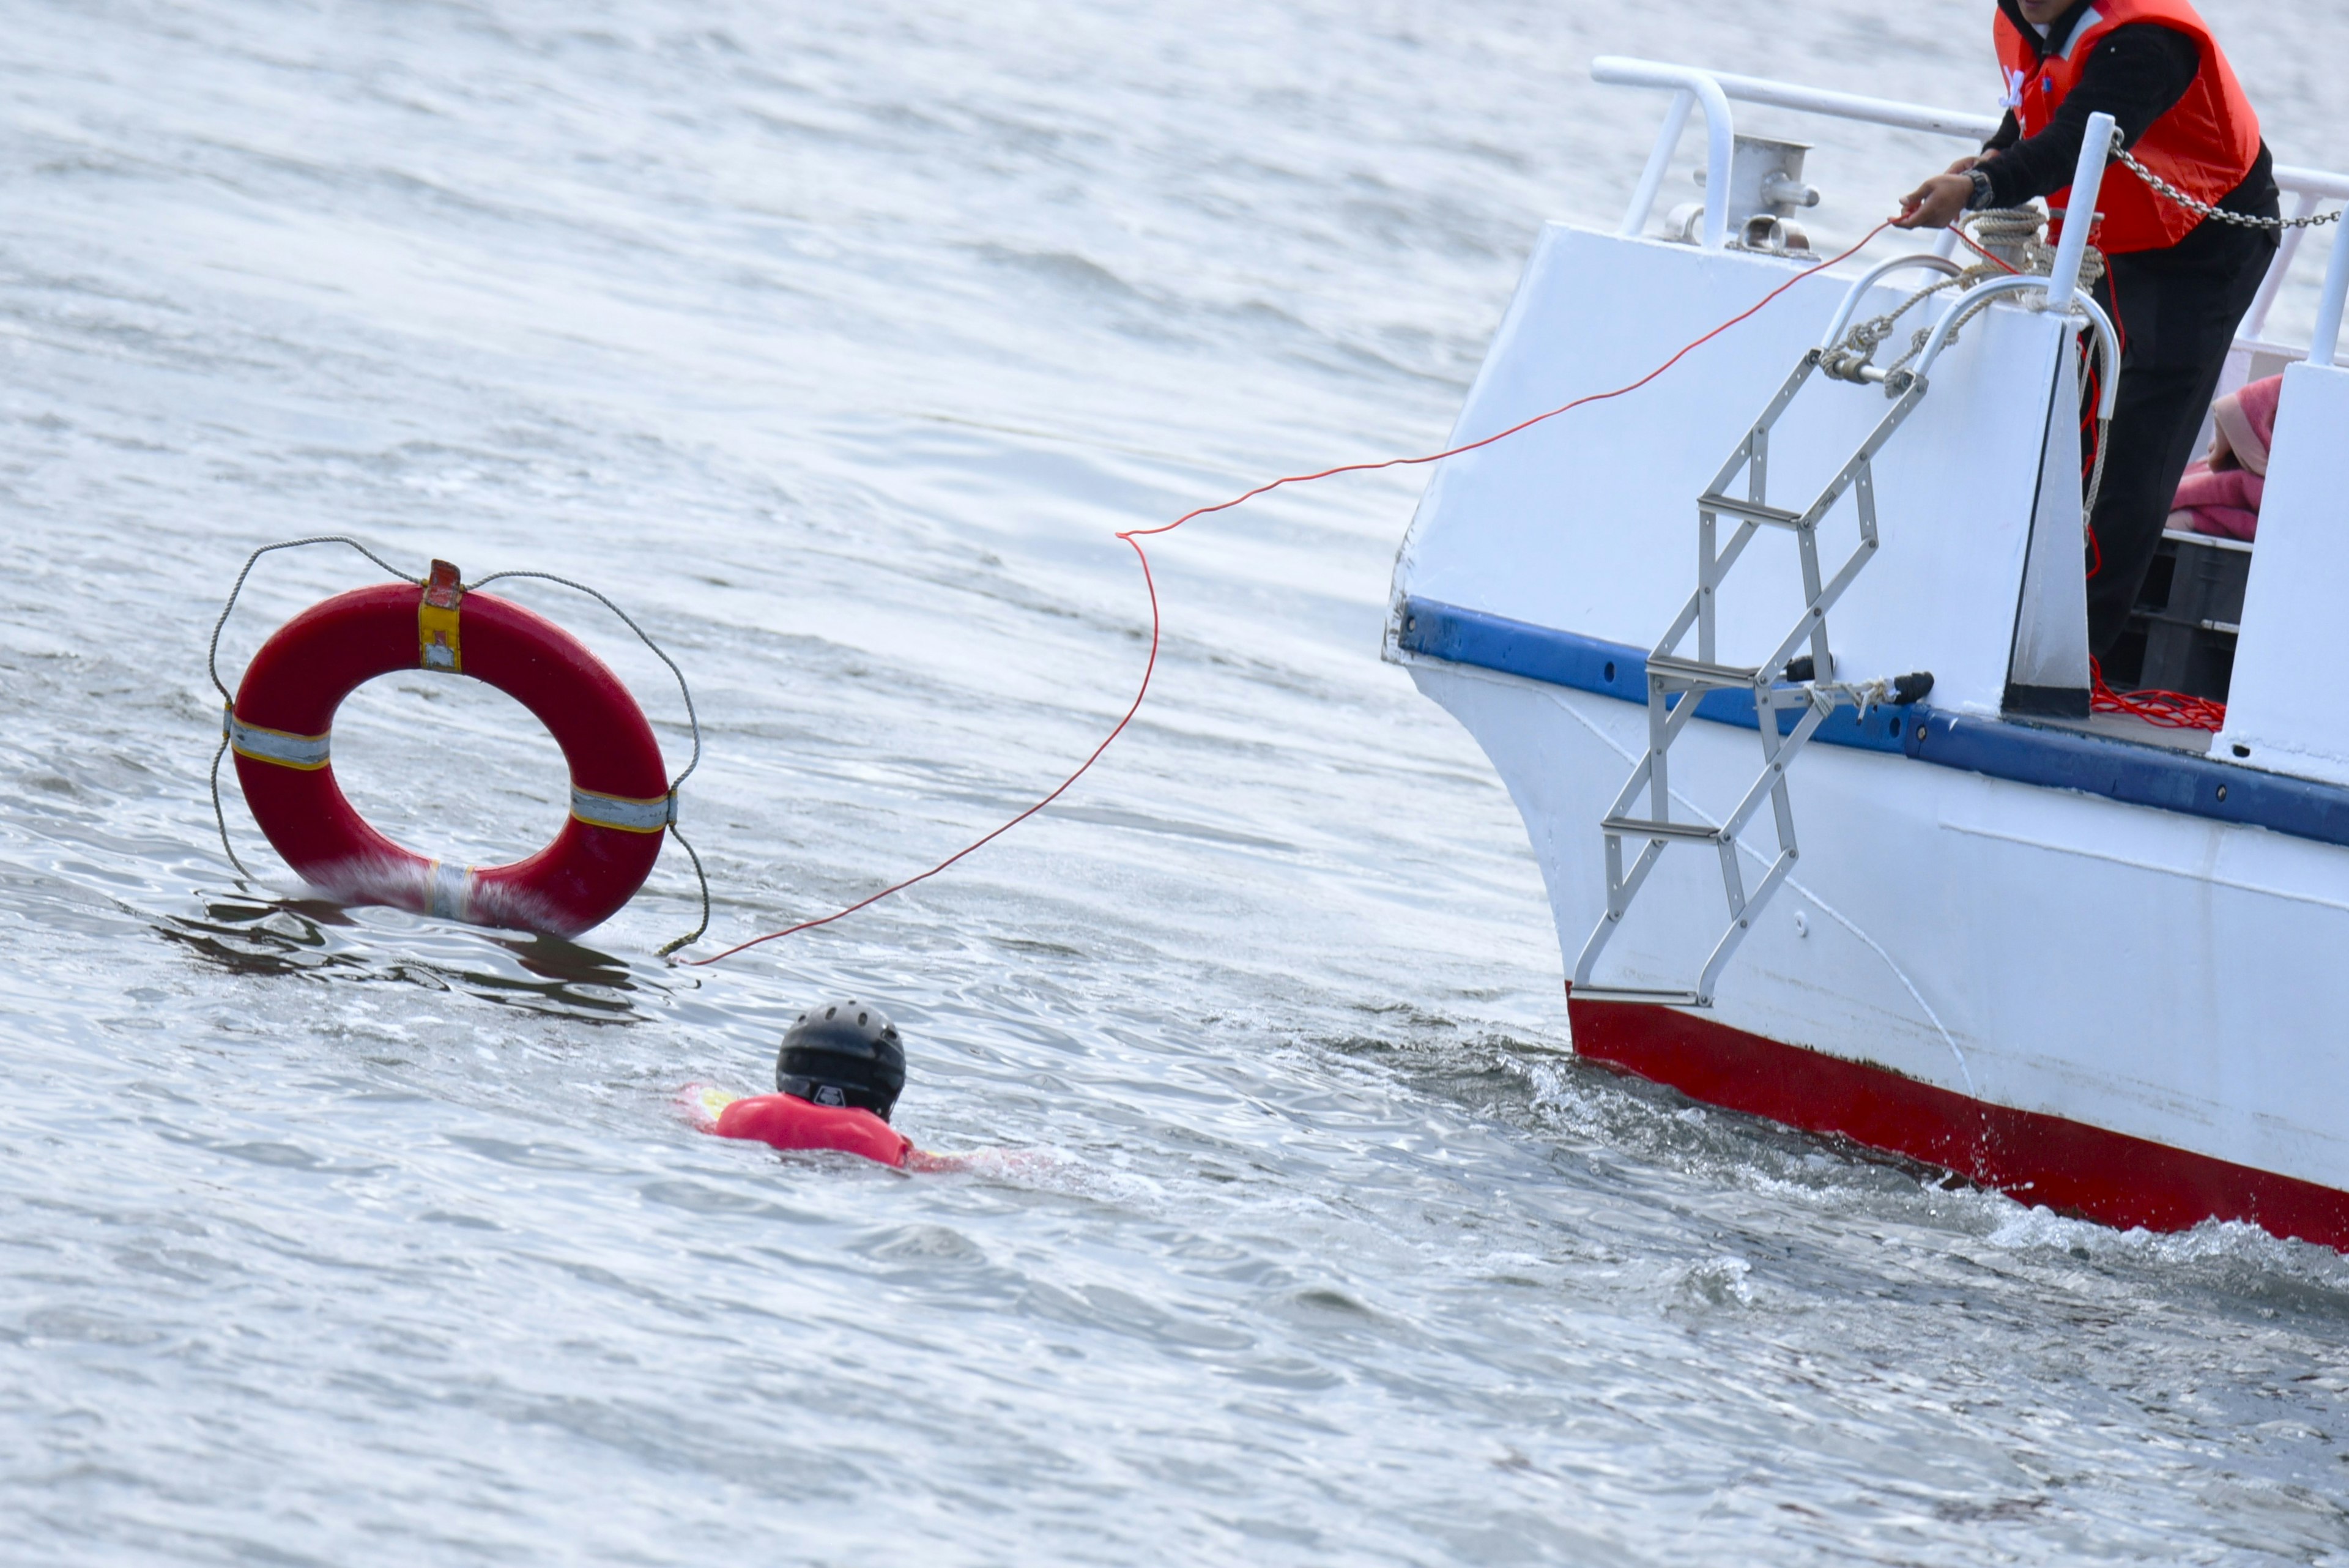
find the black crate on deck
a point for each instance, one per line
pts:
(2182, 633)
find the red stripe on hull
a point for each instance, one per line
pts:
(2068, 1166)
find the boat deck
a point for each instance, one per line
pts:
(2130, 728)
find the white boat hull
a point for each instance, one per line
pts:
(2109, 966)
(2091, 968)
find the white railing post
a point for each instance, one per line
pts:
(1719, 128)
(1652, 178)
(2255, 323)
(2080, 211)
(2324, 343)
(1624, 71)
(1719, 144)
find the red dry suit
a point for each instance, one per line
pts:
(788, 1122)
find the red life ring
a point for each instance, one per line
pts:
(281, 728)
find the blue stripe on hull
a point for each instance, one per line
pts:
(2117, 769)
(1610, 669)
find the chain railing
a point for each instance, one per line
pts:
(2162, 187)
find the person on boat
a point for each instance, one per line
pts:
(2176, 283)
(2222, 493)
(837, 1079)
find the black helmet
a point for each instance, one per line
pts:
(843, 1053)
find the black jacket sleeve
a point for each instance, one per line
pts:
(2136, 75)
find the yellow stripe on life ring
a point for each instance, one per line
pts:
(626, 813)
(438, 646)
(283, 747)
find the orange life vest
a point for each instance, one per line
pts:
(2204, 145)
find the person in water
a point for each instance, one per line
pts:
(837, 1079)
(2177, 283)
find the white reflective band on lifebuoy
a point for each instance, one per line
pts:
(308, 753)
(452, 891)
(619, 811)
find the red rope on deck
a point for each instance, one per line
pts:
(2164, 709)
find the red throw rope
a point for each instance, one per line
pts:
(2164, 709)
(1133, 536)
(1967, 240)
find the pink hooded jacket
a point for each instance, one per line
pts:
(2220, 495)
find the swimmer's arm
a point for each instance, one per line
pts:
(1003, 1164)
(702, 1105)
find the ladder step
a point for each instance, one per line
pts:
(1692, 674)
(1646, 827)
(1777, 517)
(1807, 684)
(1635, 993)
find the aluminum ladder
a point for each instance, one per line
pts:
(1677, 684)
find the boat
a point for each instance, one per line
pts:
(1783, 660)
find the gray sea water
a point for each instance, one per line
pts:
(835, 341)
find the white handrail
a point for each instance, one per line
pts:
(1621, 70)
(2313, 182)
(1858, 291)
(1652, 178)
(1687, 83)
(2088, 179)
(2106, 336)
(2324, 343)
(1714, 89)
(2109, 396)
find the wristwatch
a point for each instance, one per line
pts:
(1980, 198)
